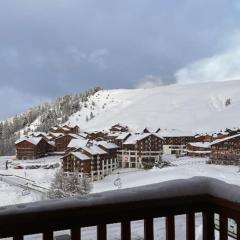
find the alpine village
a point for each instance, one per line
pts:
(96, 154)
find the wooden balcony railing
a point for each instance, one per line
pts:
(167, 199)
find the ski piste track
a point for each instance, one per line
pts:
(22, 182)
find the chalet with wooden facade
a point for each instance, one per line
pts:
(91, 159)
(76, 143)
(226, 151)
(151, 130)
(175, 141)
(204, 137)
(198, 149)
(139, 149)
(31, 148)
(77, 162)
(39, 144)
(96, 135)
(120, 139)
(118, 128)
(65, 129)
(61, 143)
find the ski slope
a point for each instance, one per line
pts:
(196, 107)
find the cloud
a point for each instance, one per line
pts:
(104, 43)
(150, 81)
(98, 57)
(16, 101)
(223, 66)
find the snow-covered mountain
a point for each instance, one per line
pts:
(197, 107)
(206, 107)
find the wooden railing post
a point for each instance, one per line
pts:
(18, 237)
(76, 234)
(238, 228)
(170, 228)
(48, 236)
(190, 226)
(223, 227)
(208, 225)
(148, 229)
(102, 232)
(126, 230)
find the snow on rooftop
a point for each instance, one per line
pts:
(75, 135)
(93, 149)
(33, 140)
(52, 143)
(200, 144)
(65, 129)
(137, 137)
(107, 145)
(175, 133)
(122, 136)
(199, 152)
(77, 143)
(80, 156)
(82, 134)
(56, 134)
(225, 139)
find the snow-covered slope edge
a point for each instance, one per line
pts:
(197, 107)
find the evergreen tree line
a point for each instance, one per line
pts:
(47, 114)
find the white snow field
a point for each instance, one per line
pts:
(196, 107)
(14, 182)
(185, 167)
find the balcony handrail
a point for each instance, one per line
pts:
(183, 196)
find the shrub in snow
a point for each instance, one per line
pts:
(148, 163)
(228, 102)
(91, 116)
(71, 185)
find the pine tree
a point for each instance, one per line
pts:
(72, 185)
(47, 114)
(91, 116)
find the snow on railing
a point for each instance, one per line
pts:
(166, 199)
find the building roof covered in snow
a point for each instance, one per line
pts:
(56, 135)
(32, 140)
(123, 135)
(107, 145)
(133, 139)
(225, 139)
(201, 144)
(79, 155)
(77, 143)
(93, 149)
(176, 133)
(75, 135)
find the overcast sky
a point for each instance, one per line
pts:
(53, 47)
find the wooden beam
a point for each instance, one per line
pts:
(170, 227)
(76, 234)
(148, 229)
(190, 226)
(223, 224)
(48, 236)
(102, 232)
(208, 225)
(126, 230)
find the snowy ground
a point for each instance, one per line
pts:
(11, 193)
(183, 168)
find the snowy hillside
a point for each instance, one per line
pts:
(198, 107)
